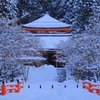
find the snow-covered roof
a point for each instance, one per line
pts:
(51, 42)
(32, 58)
(46, 22)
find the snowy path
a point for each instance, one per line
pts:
(44, 76)
(59, 92)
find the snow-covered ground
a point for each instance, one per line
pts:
(50, 88)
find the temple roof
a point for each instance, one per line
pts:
(46, 22)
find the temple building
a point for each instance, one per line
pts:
(51, 31)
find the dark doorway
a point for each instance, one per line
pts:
(50, 56)
(51, 59)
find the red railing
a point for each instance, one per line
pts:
(11, 88)
(91, 87)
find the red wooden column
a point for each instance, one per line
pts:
(56, 62)
(3, 89)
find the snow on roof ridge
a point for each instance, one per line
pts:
(45, 22)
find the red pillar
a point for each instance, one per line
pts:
(56, 64)
(3, 89)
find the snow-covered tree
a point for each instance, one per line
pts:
(75, 12)
(15, 44)
(81, 53)
(8, 8)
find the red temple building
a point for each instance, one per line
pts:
(51, 31)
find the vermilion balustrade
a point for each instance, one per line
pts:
(13, 88)
(91, 87)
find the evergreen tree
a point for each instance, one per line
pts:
(75, 12)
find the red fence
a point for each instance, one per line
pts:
(11, 88)
(91, 88)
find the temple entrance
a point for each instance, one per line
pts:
(51, 31)
(51, 59)
(50, 56)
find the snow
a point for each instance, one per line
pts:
(32, 58)
(43, 76)
(51, 42)
(46, 22)
(57, 35)
(43, 73)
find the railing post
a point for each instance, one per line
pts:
(18, 87)
(3, 89)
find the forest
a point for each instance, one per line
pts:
(81, 53)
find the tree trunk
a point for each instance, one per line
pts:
(26, 72)
(95, 77)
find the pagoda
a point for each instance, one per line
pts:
(47, 23)
(51, 31)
